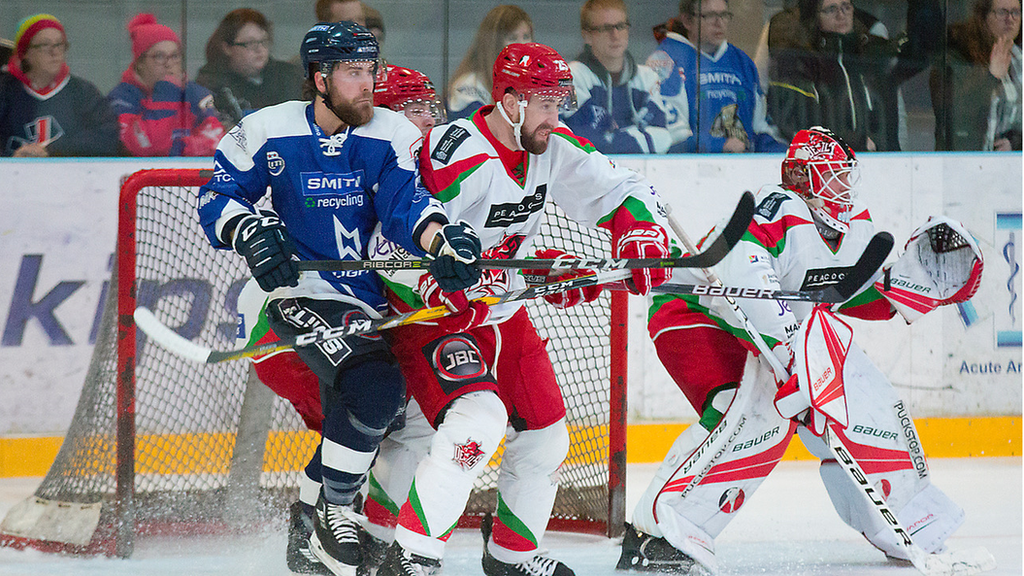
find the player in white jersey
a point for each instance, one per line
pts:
(486, 374)
(335, 169)
(805, 234)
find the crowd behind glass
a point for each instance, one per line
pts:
(815, 62)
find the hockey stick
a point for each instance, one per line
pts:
(176, 344)
(714, 253)
(950, 563)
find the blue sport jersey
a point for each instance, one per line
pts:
(330, 191)
(731, 101)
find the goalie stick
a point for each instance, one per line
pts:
(949, 563)
(176, 344)
(711, 255)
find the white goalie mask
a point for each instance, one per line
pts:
(823, 170)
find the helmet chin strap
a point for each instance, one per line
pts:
(517, 127)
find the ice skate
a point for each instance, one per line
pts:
(538, 565)
(298, 555)
(400, 562)
(645, 553)
(335, 538)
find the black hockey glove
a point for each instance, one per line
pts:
(264, 243)
(455, 248)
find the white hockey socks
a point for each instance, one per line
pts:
(465, 441)
(530, 469)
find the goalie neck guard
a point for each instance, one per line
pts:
(822, 169)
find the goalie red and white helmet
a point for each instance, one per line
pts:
(533, 69)
(399, 87)
(823, 170)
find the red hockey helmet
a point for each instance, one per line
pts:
(823, 170)
(402, 86)
(533, 69)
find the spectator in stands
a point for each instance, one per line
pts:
(730, 113)
(412, 93)
(470, 86)
(44, 110)
(6, 49)
(239, 70)
(620, 109)
(339, 11)
(161, 112)
(374, 23)
(847, 78)
(977, 92)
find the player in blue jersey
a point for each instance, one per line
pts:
(731, 113)
(335, 169)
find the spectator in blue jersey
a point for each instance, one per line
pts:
(335, 169)
(44, 110)
(716, 82)
(619, 107)
(239, 70)
(470, 86)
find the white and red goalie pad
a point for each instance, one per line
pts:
(941, 264)
(819, 348)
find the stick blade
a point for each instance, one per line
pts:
(863, 271)
(954, 562)
(167, 338)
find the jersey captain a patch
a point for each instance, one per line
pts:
(452, 138)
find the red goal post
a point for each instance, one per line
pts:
(162, 445)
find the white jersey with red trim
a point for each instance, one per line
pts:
(782, 249)
(460, 165)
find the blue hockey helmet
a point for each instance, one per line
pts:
(337, 42)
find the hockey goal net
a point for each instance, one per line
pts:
(159, 444)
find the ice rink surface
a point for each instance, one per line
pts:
(787, 528)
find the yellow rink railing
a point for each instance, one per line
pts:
(941, 437)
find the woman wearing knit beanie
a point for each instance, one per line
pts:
(44, 110)
(160, 112)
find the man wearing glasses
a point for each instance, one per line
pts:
(730, 114)
(620, 109)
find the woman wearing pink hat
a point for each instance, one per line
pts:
(159, 111)
(44, 110)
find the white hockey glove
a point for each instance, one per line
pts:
(814, 393)
(941, 264)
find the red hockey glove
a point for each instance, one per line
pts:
(568, 297)
(466, 314)
(644, 240)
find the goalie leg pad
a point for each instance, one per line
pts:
(882, 437)
(465, 441)
(698, 492)
(530, 469)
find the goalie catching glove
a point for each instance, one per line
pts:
(268, 250)
(644, 240)
(569, 297)
(455, 248)
(941, 264)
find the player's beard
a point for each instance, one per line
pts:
(352, 113)
(533, 143)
